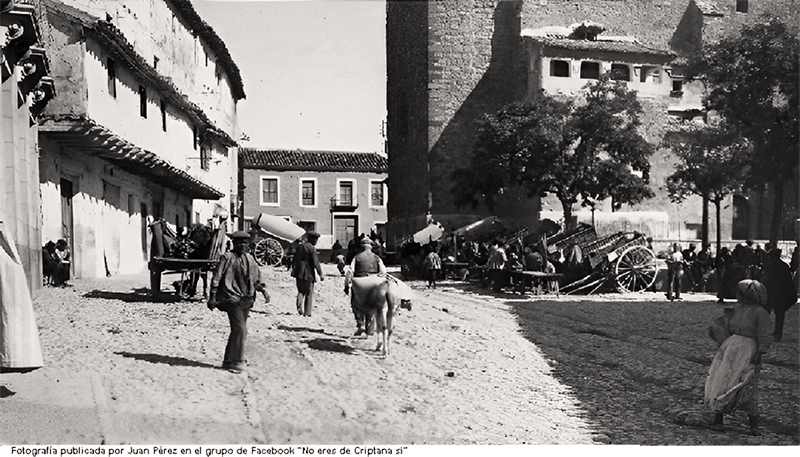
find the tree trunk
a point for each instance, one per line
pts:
(777, 212)
(717, 204)
(568, 223)
(704, 234)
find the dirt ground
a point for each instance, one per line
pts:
(466, 367)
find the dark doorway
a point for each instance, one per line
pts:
(67, 227)
(344, 228)
(143, 213)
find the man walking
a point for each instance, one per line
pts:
(304, 266)
(233, 290)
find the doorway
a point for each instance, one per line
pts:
(67, 220)
(345, 228)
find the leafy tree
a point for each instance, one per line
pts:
(577, 152)
(751, 81)
(712, 164)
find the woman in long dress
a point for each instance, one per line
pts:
(732, 382)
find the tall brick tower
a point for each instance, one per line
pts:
(448, 62)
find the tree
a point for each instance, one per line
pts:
(751, 81)
(577, 152)
(712, 164)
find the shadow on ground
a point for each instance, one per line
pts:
(135, 296)
(169, 360)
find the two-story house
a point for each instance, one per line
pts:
(145, 129)
(337, 194)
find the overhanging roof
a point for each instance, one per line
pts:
(86, 135)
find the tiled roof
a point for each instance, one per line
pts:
(708, 7)
(299, 160)
(627, 47)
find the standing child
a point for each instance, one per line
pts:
(433, 263)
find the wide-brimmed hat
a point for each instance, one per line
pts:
(751, 292)
(312, 235)
(366, 242)
(241, 234)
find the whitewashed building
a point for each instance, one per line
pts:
(145, 130)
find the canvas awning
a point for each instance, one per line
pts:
(84, 134)
(279, 227)
(489, 227)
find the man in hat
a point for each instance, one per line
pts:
(304, 266)
(365, 263)
(233, 290)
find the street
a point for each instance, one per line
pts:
(465, 367)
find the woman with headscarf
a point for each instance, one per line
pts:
(732, 382)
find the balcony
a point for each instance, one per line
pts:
(344, 204)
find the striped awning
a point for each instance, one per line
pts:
(86, 135)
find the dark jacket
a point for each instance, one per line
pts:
(305, 262)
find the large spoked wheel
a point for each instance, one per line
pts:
(268, 252)
(636, 269)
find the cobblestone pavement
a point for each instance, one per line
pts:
(466, 367)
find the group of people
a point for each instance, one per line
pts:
(56, 261)
(237, 281)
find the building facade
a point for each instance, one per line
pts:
(26, 90)
(145, 129)
(450, 62)
(340, 195)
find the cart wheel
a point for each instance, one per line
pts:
(268, 252)
(636, 269)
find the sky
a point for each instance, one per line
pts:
(314, 71)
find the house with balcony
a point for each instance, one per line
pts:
(145, 129)
(26, 90)
(337, 194)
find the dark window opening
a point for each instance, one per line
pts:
(620, 72)
(143, 101)
(163, 115)
(742, 6)
(308, 226)
(650, 74)
(559, 68)
(677, 85)
(155, 62)
(194, 137)
(269, 193)
(590, 70)
(346, 193)
(205, 157)
(308, 193)
(112, 77)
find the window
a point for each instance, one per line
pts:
(112, 77)
(163, 115)
(155, 62)
(308, 195)
(742, 6)
(205, 157)
(194, 137)
(620, 72)
(308, 226)
(269, 191)
(143, 101)
(376, 193)
(590, 70)
(677, 87)
(559, 68)
(346, 193)
(650, 74)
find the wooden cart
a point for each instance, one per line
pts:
(271, 235)
(162, 262)
(622, 260)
